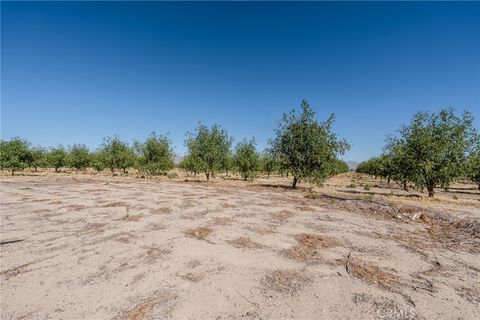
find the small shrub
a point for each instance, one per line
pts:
(172, 175)
(312, 195)
(366, 187)
(352, 185)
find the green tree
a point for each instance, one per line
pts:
(473, 165)
(247, 159)
(14, 155)
(436, 146)
(98, 161)
(57, 157)
(79, 157)
(38, 158)
(155, 155)
(269, 162)
(340, 166)
(305, 147)
(229, 164)
(209, 148)
(190, 164)
(117, 153)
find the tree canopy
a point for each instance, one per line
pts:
(247, 159)
(209, 148)
(305, 147)
(155, 155)
(14, 154)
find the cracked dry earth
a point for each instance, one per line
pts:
(119, 248)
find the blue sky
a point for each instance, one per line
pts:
(77, 72)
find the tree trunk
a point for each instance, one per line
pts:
(479, 186)
(268, 177)
(13, 173)
(430, 191)
(124, 170)
(388, 180)
(245, 178)
(295, 180)
(405, 185)
(208, 175)
(56, 169)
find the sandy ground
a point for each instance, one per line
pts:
(96, 247)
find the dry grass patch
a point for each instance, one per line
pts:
(282, 216)
(222, 220)
(193, 277)
(371, 273)
(316, 241)
(128, 217)
(158, 305)
(155, 253)
(163, 210)
(284, 281)
(307, 249)
(124, 237)
(114, 204)
(201, 233)
(245, 243)
(459, 234)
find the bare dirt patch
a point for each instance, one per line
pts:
(109, 264)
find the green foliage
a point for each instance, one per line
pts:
(172, 175)
(305, 147)
(155, 155)
(269, 163)
(473, 165)
(339, 166)
(38, 158)
(229, 164)
(208, 149)
(247, 159)
(438, 143)
(79, 157)
(190, 165)
(117, 154)
(14, 154)
(431, 151)
(57, 157)
(98, 161)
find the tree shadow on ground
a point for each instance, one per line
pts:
(380, 193)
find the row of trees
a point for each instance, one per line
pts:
(303, 148)
(154, 156)
(432, 151)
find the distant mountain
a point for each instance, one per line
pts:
(353, 164)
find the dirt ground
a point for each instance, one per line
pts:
(99, 247)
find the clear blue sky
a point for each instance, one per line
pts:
(77, 72)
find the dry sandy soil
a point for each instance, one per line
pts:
(97, 247)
